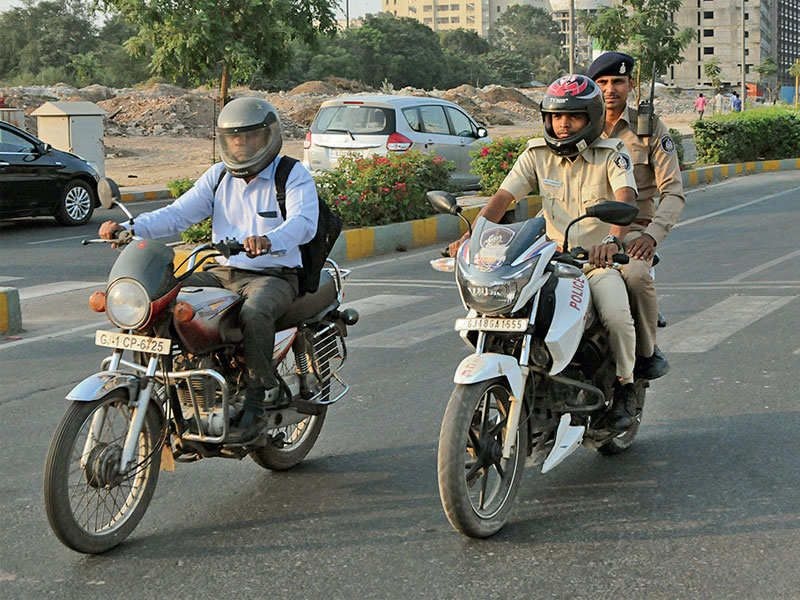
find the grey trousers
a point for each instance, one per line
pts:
(267, 296)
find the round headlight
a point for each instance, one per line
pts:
(127, 304)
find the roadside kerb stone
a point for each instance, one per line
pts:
(10, 314)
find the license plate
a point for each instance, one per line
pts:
(491, 324)
(137, 343)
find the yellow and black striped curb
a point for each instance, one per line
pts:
(10, 314)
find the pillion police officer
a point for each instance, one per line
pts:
(657, 173)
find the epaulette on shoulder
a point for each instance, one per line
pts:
(610, 143)
(536, 143)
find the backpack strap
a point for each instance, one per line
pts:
(285, 167)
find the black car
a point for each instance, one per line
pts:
(36, 179)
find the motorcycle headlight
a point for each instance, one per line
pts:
(495, 295)
(127, 304)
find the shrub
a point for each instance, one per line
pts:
(763, 134)
(493, 162)
(177, 187)
(377, 190)
(200, 232)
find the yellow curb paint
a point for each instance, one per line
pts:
(709, 175)
(3, 313)
(725, 170)
(771, 165)
(151, 195)
(692, 177)
(739, 167)
(423, 231)
(470, 214)
(749, 167)
(360, 243)
(797, 163)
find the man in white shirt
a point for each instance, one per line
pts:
(239, 195)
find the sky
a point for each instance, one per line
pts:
(357, 7)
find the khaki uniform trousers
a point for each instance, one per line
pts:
(610, 298)
(643, 300)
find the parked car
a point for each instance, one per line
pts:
(382, 124)
(36, 180)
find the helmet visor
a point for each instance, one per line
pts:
(242, 147)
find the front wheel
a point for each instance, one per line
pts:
(91, 506)
(477, 485)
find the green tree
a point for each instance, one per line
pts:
(193, 40)
(767, 71)
(44, 35)
(645, 29)
(463, 42)
(712, 70)
(527, 32)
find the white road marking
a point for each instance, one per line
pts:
(59, 287)
(50, 241)
(52, 334)
(706, 329)
(767, 265)
(796, 352)
(4, 278)
(412, 332)
(381, 302)
(732, 208)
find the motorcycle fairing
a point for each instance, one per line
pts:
(215, 322)
(481, 367)
(572, 302)
(101, 384)
(149, 263)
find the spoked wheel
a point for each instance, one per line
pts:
(623, 441)
(288, 446)
(476, 484)
(90, 504)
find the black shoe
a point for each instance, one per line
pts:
(249, 427)
(623, 412)
(651, 367)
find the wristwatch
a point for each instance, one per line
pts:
(612, 239)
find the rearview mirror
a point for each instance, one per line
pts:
(616, 213)
(108, 192)
(482, 133)
(443, 202)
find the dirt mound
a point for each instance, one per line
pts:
(498, 93)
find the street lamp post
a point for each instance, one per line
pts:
(744, 64)
(571, 28)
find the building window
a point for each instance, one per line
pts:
(470, 20)
(442, 20)
(443, 7)
(708, 14)
(427, 8)
(455, 7)
(455, 19)
(470, 6)
(427, 21)
(708, 50)
(708, 32)
(698, 71)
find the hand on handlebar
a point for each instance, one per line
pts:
(604, 255)
(115, 233)
(452, 249)
(256, 245)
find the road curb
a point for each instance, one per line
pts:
(10, 314)
(144, 196)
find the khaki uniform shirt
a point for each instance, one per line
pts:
(657, 172)
(568, 187)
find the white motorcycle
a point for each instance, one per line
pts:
(540, 379)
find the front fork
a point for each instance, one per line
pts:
(137, 418)
(482, 366)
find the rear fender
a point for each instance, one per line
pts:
(101, 384)
(481, 367)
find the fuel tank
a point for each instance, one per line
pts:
(572, 302)
(215, 322)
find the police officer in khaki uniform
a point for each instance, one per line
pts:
(573, 169)
(661, 200)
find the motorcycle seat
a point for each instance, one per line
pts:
(309, 306)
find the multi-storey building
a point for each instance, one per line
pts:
(442, 15)
(788, 39)
(584, 51)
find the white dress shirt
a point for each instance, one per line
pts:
(242, 209)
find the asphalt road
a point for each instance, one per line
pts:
(705, 505)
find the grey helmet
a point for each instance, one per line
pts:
(249, 134)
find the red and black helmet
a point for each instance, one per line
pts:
(573, 94)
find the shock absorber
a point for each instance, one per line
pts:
(302, 369)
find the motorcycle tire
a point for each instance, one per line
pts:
(622, 442)
(477, 486)
(297, 442)
(91, 509)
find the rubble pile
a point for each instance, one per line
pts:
(167, 110)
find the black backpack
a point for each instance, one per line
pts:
(329, 226)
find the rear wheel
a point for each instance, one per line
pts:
(76, 204)
(91, 506)
(477, 485)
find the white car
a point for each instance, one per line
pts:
(383, 124)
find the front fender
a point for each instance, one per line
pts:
(480, 367)
(101, 384)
